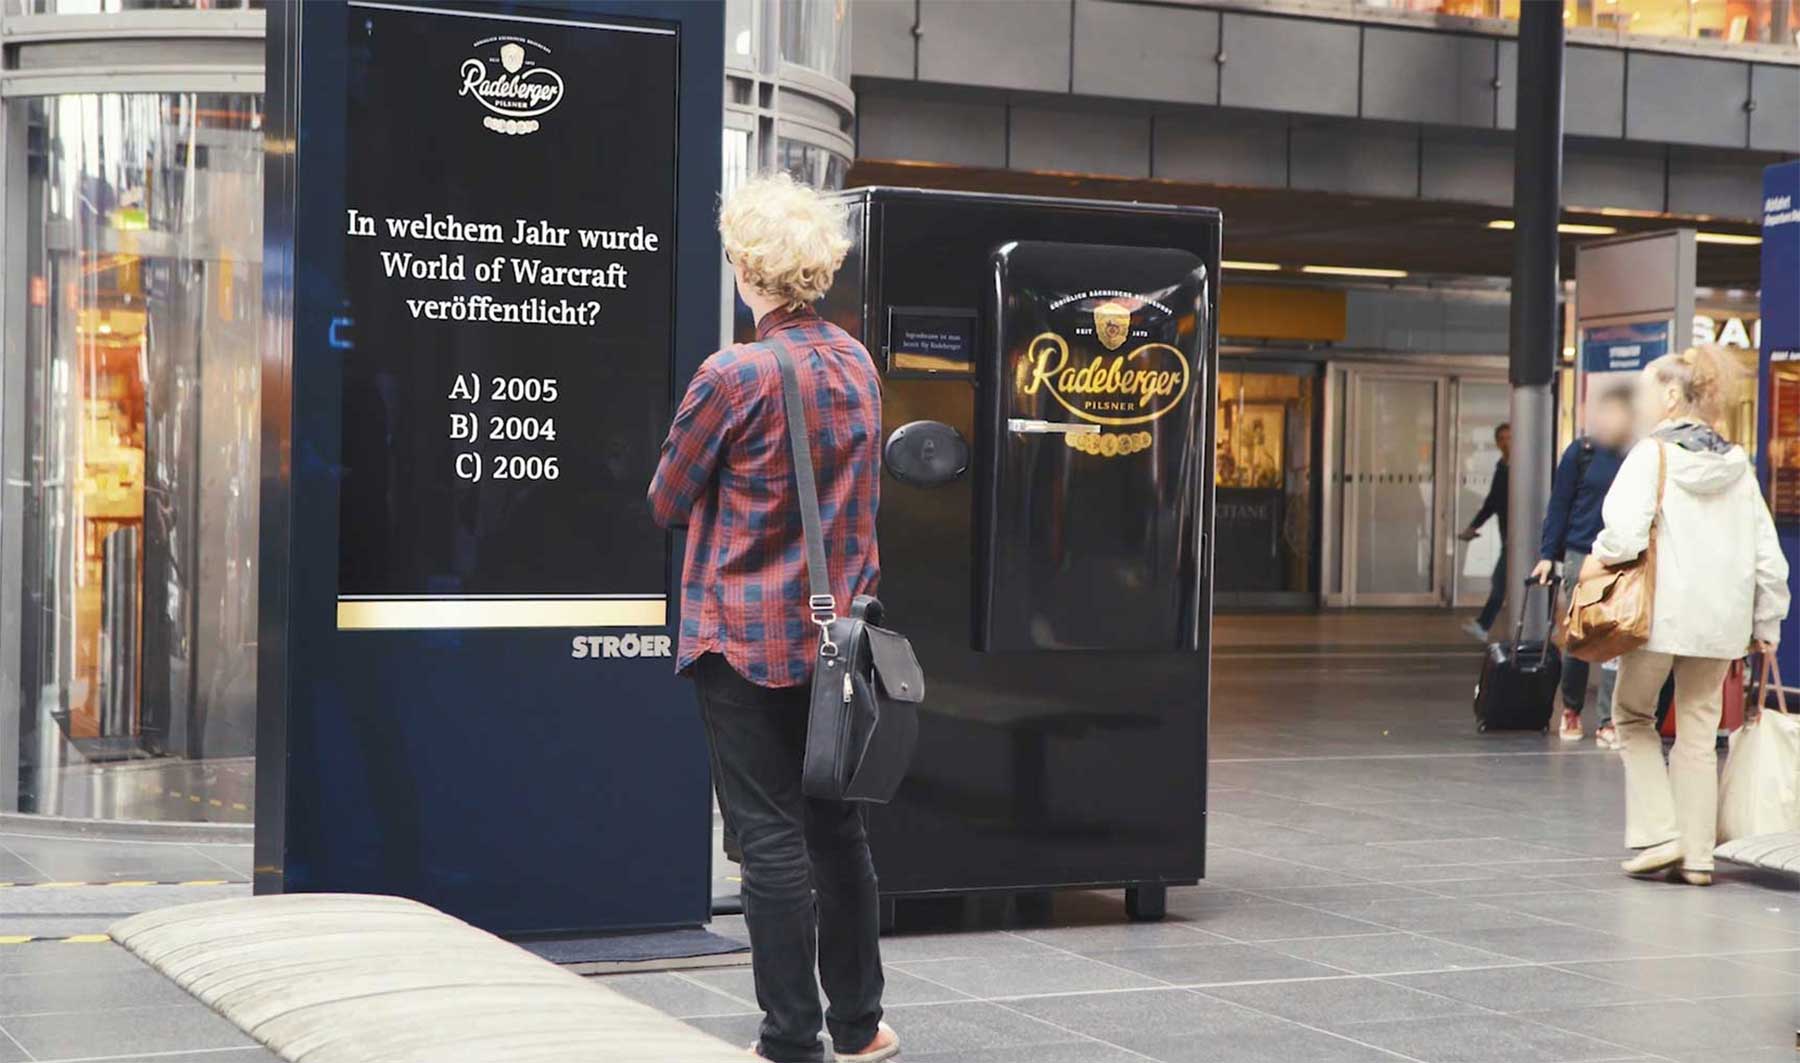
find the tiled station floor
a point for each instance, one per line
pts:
(66, 992)
(1384, 884)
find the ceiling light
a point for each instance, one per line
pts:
(1727, 238)
(1354, 271)
(1260, 267)
(1567, 228)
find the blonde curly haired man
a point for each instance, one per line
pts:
(726, 474)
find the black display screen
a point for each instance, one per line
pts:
(927, 341)
(506, 345)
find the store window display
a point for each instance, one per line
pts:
(1783, 488)
(1740, 408)
(1262, 466)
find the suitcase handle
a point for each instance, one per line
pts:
(1518, 639)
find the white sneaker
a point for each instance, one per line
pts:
(886, 1046)
(1475, 631)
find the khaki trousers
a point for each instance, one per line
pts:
(1682, 800)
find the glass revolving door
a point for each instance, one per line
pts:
(138, 514)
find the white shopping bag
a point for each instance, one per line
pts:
(1760, 790)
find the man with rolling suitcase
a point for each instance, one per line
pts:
(1571, 523)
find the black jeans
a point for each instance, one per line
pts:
(809, 883)
(1496, 594)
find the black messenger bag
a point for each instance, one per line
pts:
(866, 684)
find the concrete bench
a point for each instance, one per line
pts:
(348, 978)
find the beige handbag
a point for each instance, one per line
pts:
(1612, 605)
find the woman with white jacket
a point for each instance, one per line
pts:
(1721, 590)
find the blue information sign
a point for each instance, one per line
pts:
(1623, 348)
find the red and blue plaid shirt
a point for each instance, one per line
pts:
(727, 474)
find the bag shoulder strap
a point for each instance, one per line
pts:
(1662, 480)
(1662, 472)
(819, 599)
(1584, 457)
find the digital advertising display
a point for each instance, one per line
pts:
(507, 235)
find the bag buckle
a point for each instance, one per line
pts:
(824, 614)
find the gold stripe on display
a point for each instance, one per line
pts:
(435, 613)
(930, 363)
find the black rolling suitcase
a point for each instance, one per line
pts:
(1517, 688)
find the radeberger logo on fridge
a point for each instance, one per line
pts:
(1112, 386)
(507, 75)
(1112, 324)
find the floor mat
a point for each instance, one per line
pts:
(647, 951)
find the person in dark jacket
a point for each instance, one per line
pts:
(1493, 506)
(1571, 523)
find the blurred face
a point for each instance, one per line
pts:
(1612, 425)
(1503, 440)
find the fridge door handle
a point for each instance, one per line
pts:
(1029, 426)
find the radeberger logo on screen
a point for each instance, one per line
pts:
(1113, 385)
(512, 82)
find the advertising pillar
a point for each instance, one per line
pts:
(1779, 444)
(489, 230)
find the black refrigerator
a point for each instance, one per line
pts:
(1045, 532)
